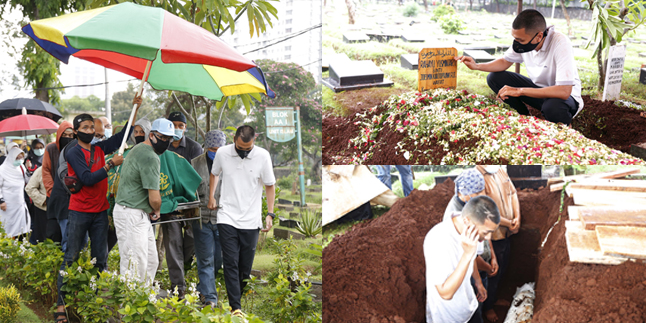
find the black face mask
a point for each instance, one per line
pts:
(526, 48)
(85, 137)
(139, 139)
(63, 142)
(159, 146)
(243, 153)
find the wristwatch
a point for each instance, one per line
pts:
(273, 216)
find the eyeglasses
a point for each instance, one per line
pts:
(164, 138)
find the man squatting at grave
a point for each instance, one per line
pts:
(553, 85)
(450, 249)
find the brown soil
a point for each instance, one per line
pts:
(616, 127)
(358, 101)
(375, 272)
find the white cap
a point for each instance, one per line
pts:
(164, 127)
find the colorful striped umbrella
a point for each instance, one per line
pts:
(153, 45)
(125, 37)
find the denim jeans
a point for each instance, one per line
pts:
(405, 175)
(63, 225)
(209, 258)
(79, 224)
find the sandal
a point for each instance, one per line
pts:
(62, 319)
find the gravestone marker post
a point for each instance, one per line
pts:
(614, 72)
(437, 68)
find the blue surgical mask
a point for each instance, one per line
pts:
(179, 133)
(211, 154)
(39, 152)
(95, 140)
(108, 133)
(18, 162)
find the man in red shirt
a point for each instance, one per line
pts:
(88, 208)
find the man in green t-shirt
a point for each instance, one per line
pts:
(138, 201)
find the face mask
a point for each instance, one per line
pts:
(526, 48)
(39, 152)
(158, 145)
(85, 137)
(95, 140)
(139, 139)
(18, 162)
(63, 142)
(108, 133)
(179, 133)
(210, 154)
(243, 153)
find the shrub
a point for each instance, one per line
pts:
(411, 9)
(441, 11)
(451, 24)
(310, 224)
(9, 304)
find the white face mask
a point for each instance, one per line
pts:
(39, 152)
(18, 162)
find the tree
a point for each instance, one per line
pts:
(90, 103)
(610, 23)
(352, 11)
(296, 87)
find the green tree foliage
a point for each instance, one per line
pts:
(90, 103)
(294, 87)
(121, 105)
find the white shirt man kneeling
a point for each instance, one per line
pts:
(450, 250)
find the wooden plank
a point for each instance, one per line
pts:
(616, 174)
(593, 198)
(622, 241)
(557, 187)
(612, 216)
(606, 175)
(573, 212)
(611, 185)
(583, 246)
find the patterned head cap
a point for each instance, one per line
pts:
(469, 182)
(215, 138)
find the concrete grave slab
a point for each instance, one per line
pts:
(480, 56)
(461, 32)
(409, 61)
(642, 54)
(463, 41)
(336, 57)
(355, 37)
(413, 37)
(489, 48)
(355, 75)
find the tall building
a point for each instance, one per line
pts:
(294, 17)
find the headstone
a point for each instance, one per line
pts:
(409, 61)
(502, 48)
(463, 41)
(329, 58)
(283, 201)
(355, 75)
(614, 73)
(480, 56)
(461, 32)
(642, 76)
(437, 68)
(491, 49)
(642, 54)
(413, 38)
(297, 203)
(355, 37)
(287, 223)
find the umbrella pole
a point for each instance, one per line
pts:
(132, 113)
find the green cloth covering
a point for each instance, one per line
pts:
(178, 173)
(140, 172)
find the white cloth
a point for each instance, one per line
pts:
(240, 204)
(552, 65)
(15, 220)
(136, 238)
(442, 253)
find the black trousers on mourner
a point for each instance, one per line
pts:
(553, 109)
(238, 251)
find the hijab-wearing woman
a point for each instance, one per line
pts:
(141, 130)
(13, 209)
(35, 156)
(6, 151)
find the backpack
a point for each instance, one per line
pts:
(71, 183)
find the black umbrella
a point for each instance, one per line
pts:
(13, 107)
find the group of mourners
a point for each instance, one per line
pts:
(82, 188)
(462, 276)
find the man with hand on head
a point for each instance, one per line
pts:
(244, 169)
(553, 85)
(138, 202)
(450, 252)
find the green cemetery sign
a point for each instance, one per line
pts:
(280, 123)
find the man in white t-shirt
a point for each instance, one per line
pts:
(450, 250)
(244, 169)
(553, 85)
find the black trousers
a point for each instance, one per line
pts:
(553, 109)
(238, 251)
(53, 230)
(180, 249)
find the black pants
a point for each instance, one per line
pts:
(553, 109)
(38, 225)
(180, 249)
(53, 230)
(502, 249)
(238, 251)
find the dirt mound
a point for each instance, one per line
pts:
(375, 273)
(614, 126)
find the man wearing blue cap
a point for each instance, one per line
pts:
(207, 247)
(178, 236)
(138, 201)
